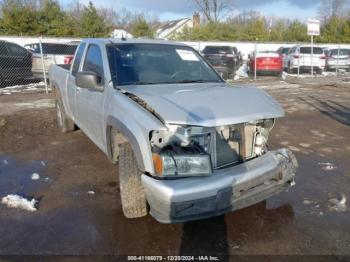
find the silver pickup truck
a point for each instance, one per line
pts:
(188, 145)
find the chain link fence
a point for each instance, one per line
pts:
(301, 61)
(29, 63)
(27, 60)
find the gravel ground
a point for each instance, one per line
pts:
(79, 211)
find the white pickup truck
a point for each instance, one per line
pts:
(188, 145)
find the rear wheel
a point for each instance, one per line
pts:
(64, 123)
(132, 194)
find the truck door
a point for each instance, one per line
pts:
(90, 102)
(71, 87)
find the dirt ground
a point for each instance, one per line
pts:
(80, 212)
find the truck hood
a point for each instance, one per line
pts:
(209, 104)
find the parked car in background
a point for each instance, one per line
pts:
(283, 52)
(338, 58)
(225, 59)
(53, 53)
(267, 62)
(239, 56)
(15, 62)
(300, 56)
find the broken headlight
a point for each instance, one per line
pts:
(262, 135)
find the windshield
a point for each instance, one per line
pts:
(141, 64)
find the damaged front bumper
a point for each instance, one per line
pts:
(173, 201)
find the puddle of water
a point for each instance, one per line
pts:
(16, 176)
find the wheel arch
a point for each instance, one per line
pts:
(144, 159)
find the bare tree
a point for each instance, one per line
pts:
(331, 8)
(214, 10)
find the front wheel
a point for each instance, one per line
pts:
(132, 194)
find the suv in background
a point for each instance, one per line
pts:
(54, 53)
(338, 58)
(15, 62)
(225, 59)
(283, 52)
(300, 56)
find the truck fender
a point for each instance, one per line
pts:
(128, 136)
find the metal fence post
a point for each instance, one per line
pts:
(43, 64)
(337, 68)
(312, 56)
(255, 54)
(299, 57)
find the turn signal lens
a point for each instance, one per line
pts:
(158, 164)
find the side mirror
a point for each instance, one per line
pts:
(89, 80)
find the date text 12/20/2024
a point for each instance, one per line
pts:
(173, 258)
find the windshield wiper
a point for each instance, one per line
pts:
(197, 81)
(191, 81)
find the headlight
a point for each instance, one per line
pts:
(169, 165)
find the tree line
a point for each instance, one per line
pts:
(252, 26)
(48, 18)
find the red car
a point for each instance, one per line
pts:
(266, 62)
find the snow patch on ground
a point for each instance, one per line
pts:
(26, 88)
(35, 176)
(43, 103)
(338, 204)
(327, 166)
(16, 201)
(9, 108)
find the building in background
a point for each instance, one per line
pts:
(169, 29)
(121, 33)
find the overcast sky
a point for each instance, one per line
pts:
(173, 9)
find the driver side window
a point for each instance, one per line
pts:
(93, 62)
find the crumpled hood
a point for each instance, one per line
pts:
(209, 104)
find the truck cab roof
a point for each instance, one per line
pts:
(107, 41)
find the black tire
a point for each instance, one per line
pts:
(132, 194)
(64, 123)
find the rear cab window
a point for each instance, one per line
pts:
(217, 50)
(307, 50)
(341, 52)
(59, 49)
